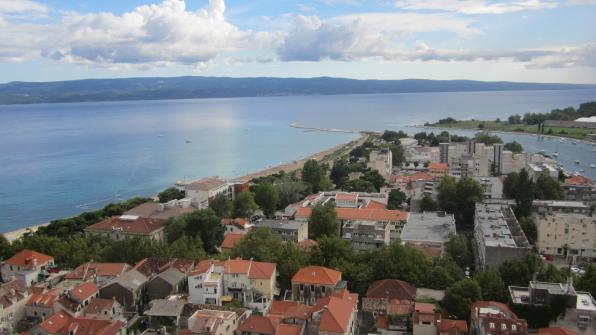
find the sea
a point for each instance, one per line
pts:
(58, 160)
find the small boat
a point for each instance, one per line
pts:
(582, 171)
(160, 135)
(556, 154)
(577, 161)
(594, 150)
(593, 166)
(187, 141)
(574, 142)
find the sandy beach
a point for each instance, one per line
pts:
(287, 167)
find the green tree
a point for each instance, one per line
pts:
(447, 195)
(359, 185)
(587, 282)
(529, 227)
(524, 194)
(428, 204)
(487, 138)
(457, 248)
(187, 248)
(402, 262)
(290, 260)
(323, 221)
(468, 193)
(315, 175)
(375, 178)
(491, 285)
(6, 249)
(514, 147)
(221, 206)
(339, 172)
(171, 193)
(290, 192)
(266, 197)
(259, 244)
(332, 250)
(398, 155)
(459, 297)
(510, 185)
(396, 199)
(244, 205)
(548, 188)
(205, 225)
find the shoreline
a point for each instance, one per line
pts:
(286, 167)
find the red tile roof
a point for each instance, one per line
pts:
(375, 205)
(426, 308)
(254, 270)
(152, 266)
(421, 176)
(239, 222)
(438, 166)
(58, 322)
(260, 325)
(286, 329)
(336, 313)
(89, 326)
(289, 309)
(391, 289)
(346, 196)
(206, 184)
(578, 180)
(138, 226)
(84, 291)
(99, 305)
(307, 244)
(453, 327)
(556, 331)
(317, 275)
(26, 258)
(86, 271)
(360, 214)
(202, 267)
(44, 299)
(230, 241)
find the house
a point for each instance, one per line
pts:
(556, 331)
(55, 324)
(165, 312)
(490, 317)
(213, 322)
(229, 242)
(236, 226)
(438, 170)
(75, 300)
(107, 309)
(498, 237)
(453, 327)
(286, 230)
(346, 200)
(308, 244)
(27, 266)
(313, 282)
(259, 325)
(429, 231)
(13, 297)
(41, 305)
(62, 324)
(251, 283)
(165, 276)
(99, 273)
(580, 188)
(127, 290)
(382, 293)
(425, 320)
(162, 211)
(335, 314)
(124, 227)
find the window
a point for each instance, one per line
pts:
(491, 325)
(312, 288)
(503, 326)
(513, 327)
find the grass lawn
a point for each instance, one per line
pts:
(578, 133)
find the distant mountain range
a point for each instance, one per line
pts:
(222, 87)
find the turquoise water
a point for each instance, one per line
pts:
(57, 160)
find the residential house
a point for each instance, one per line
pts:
(453, 327)
(124, 227)
(236, 226)
(260, 325)
(438, 170)
(498, 237)
(107, 309)
(286, 230)
(213, 322)
(382, 293)
(127, 290)
(63, 324)
(580, 188)
(494, 318)
(99, 273)
(75, 300)
(429, 231)
(425, 320)
(41, 305)
(335, 314)
(366, 235)
(205, 283)
(165, 312)
(56, 324)
(313, 282)
(162, 211)
(27, 266)
(13, 297)
(229, 242)
(165, 276)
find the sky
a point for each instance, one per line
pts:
(521, 40)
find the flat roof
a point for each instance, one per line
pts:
(281, 224)
(429, 227)
(493, 224)
(560, 203)
(585, 302)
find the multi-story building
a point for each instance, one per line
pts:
(580, 188)
(429, 231)
(421, 189)
(202, 191)
(27, 266)
(286, 230)
(468, 166)
(382, 161)
(572, 235)
(382, 293)
(314, 282)
(13, 298)
(492, 187)
(213, 322)
(536, 170)
(438, 170)
(422, 154)
(498, 236)
(251, 283)
(162, 211)
(494, 318)
(366, 235)
(99, 273)
(124, 227)
(545, 207)
(425, 320)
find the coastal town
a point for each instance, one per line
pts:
(429, 234)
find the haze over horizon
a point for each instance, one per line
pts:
(521, 41)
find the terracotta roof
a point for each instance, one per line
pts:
(89, 326)
(421, 176)
(286, 329)
(84, 291)
(438, 166)
(230, 241)
(336, 313)
(99, 305)
(453, 327)
(261, 270)
(238, 222)
(556, 331)
(289, 309)
(426, 308)
(58, 322)
(375, 205)
(236, 266)
(11, 292)
(360, 214)
(346, 196)
(202, 267)
(317, 275)
(206, 184)
(391, 289)
(400, 307)
(151, 210)
(578, 180)
(136, 226)
(260, 325)
(25, 257)
(152, 266)
(44, 299)
(87, 270)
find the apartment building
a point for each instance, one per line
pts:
(490, 317)
(429, 231)
(286, 230)
(366, 235)
(492, 187)
(202, 191)
(124, 227)
(572, 235)
(382, 161)
(314, 282)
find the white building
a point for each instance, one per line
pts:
(202, 191)
(535, 170)
(571, 235)
(27, 266)
(382, 161)
(492, 187)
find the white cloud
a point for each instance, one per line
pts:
(476, 7)
(21, 6)
(341, 2)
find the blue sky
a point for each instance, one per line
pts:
(523, 40)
